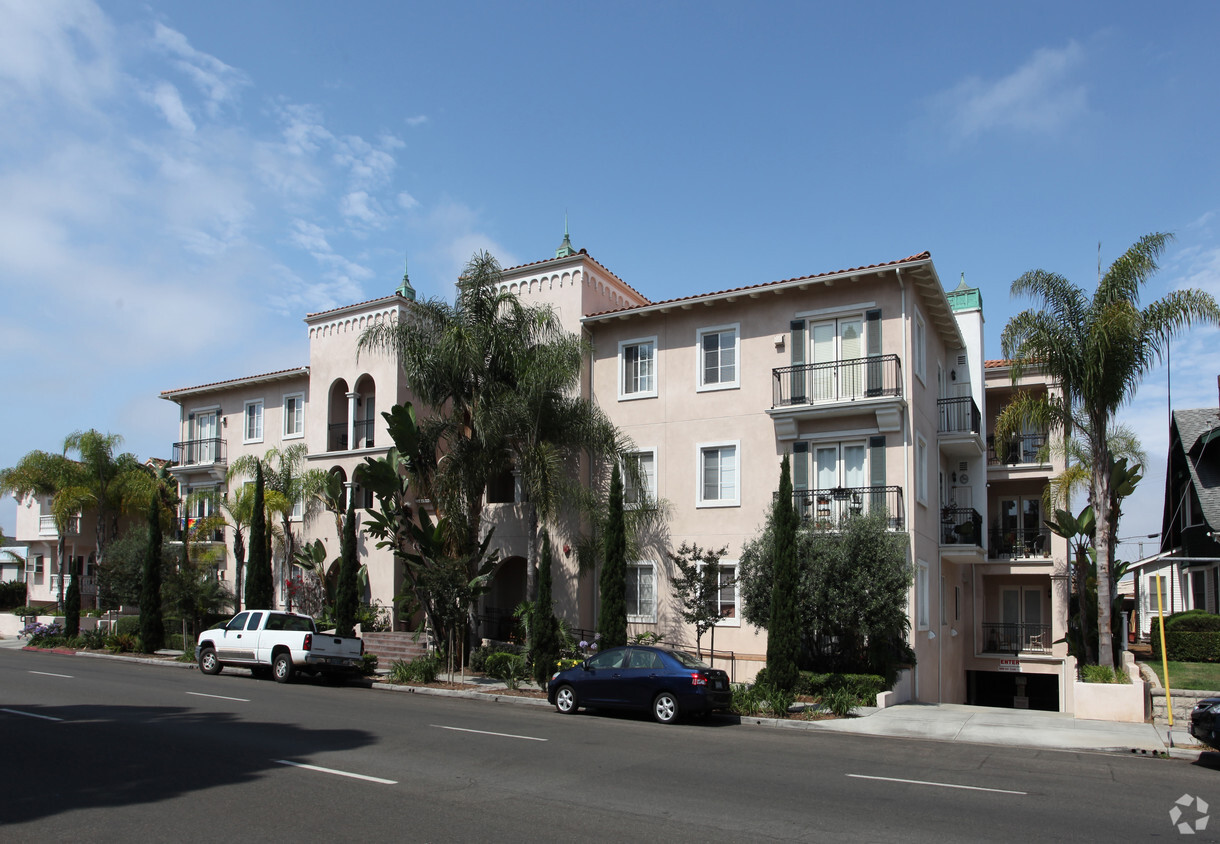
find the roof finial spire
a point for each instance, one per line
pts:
(405, 289)
(565, 249)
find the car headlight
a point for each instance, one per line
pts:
(1212, 708)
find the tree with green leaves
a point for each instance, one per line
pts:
(116, 483)
(347, 598)
(152, 626)
(544, 629)
(698, 589)
(612, 618)
(1096, 349)
(260, 589)
(784, 630)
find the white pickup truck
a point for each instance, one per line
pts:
(282, 642)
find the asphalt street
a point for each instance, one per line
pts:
(95, 750)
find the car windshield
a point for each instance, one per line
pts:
(688, 660)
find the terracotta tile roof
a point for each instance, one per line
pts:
(922, 256)
(266, 376)
(581, 254)
(996, 364)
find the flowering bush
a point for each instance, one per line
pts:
(43, 635)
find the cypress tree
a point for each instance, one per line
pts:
(783, 632)
(544, 639)
(259, 588)
(347, 596)
(612, 622)
(152, 627)
(72, 603)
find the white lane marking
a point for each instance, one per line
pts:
(30, 715)
(485, 733)
(337, 773)
(939, 784)
(49, 674)
(220, 697)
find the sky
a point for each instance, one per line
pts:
(180, 183)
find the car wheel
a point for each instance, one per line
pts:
(665, 708)
(281, 668)
(208, 663)
(565, 700)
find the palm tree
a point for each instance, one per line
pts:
(1097, 349)
(61, 480)
(116, 484)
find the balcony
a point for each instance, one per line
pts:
(362, 430)
(827, 508)
(1019, 544)
(961, 526)
(837, 381)
(1022, 451)
(1016, 638)
(200, 452)
(958, 416)
(47, 527)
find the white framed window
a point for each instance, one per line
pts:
(921, 469)
(919, 351)
(728, 597)
(298, 510)
(922, 599)
(717, 359)
(641, 592)
(640, 479)
(294, 415)
(252, 429)
(718, 475)
(637, 365)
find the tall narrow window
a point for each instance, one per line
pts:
(254, 421)
(922, 599)
(921, 469)
(717, 357)
(637, 368)
(640, 478)
(641, 592)
(919, 353)
(294, 415)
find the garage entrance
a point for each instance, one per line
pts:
(1013, 690)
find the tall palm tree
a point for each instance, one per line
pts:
(1097, 349)
(61, 480)
(117, 484)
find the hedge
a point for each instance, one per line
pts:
(1187, 645)
(866, 687)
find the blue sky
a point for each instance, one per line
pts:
(181, 182)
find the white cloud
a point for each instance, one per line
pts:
(165, 98)
(56, 47)
(1040, 97)
(359, 207)
(309, 236)
(405, 200)
(418, 120)
(218, 82)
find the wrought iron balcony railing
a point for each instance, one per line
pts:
(1019, 543)
(200, 452)
(961, 526)
(1016, 638)
(836, 381)
(1021, 450)
(827, 508)
(959, 416)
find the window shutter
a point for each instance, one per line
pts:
(872, 331)
(876, 477)
(797, 347)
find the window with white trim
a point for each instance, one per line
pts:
(727, 598)
(298, 510)
(640, 477)
(718, 475)
(637, 363)
(922, 600)
(252, 430)
(641, 592)
(294, 415)
(921, 469)
(919, 352)
(717, 358)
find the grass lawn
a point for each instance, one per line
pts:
(1188, 675)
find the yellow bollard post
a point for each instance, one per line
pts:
(1160, 611)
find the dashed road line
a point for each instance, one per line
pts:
(939, 784)
(220, 697)
(49, 674)
(336, 772)
(31, 714)
(486, 733)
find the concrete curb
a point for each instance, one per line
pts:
(488, 696)
(142, 660)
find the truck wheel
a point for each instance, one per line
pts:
(208, 663)
(282, 668)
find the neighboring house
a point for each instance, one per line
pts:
(1189, 559)
(12, 561)
(871, 378)
(37, 531)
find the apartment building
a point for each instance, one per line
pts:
(39, 534)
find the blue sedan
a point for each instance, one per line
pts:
(665, 682)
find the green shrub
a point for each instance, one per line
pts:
(368, 664)
(90, 640)
(1103, 674)
(840, 701)
(121, 643)
(778, 700)
(746, 699)
(864, 687)
(509, 667)
(423, 669)
(12, 593)
(127, 625)
(34, 609)
(479, 655)
(564, 663)
(1193, 621)
(173, 641)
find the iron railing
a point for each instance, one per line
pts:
(1019, 543)
(961, 526)
(827, 508)
(959, 416)
(1016, 637)
(843, 380)
(1022, 450)
(200, 452)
